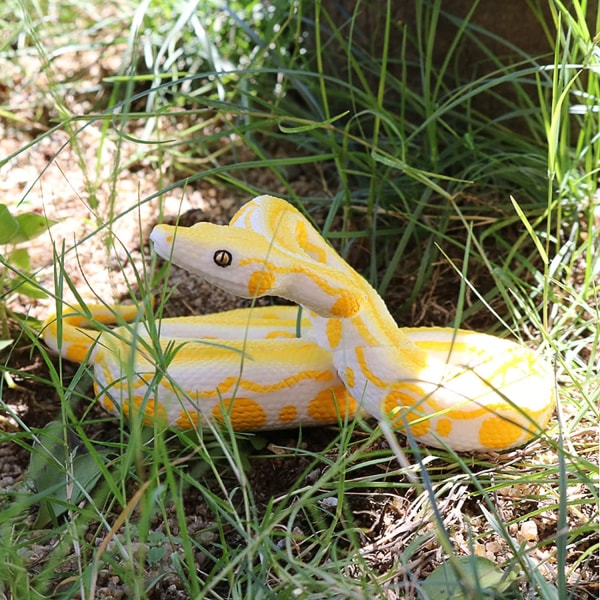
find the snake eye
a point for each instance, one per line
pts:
(222, 258)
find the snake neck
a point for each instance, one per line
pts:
(350, 340)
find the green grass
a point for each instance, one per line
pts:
(453, 215)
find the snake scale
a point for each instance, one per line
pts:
(266, 368)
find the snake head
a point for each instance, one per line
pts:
(249, 264)
(217, 253)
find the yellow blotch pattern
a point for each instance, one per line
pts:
(394, 407)
(108, 377)
(345, 306)
(109, 405)
(443, 427)
(279, 334)
(77, 352)
(244, 413)
(331, 403)
(260, 283)
(350, 379)
(496, 432)
(382, 383)
(151, 409)
(187, 420)
(230, 383)
(316, 252)
(334, 332)
(288, 413)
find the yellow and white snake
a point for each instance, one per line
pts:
(451, 387)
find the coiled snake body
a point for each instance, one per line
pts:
(450, 387)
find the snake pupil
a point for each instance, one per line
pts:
(222, 258)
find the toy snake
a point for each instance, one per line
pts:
(265, 368)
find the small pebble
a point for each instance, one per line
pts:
(528, 532)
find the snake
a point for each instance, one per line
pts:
(334, 354)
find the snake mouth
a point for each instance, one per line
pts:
(162, 238)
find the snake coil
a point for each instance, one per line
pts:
(450, 387)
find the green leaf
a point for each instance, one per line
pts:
(459, 577)
(20, 285)
(9, 226)
(312, 125)
(22, 228)
(20, 259)
(534, 237)
(64, 469)
(31, 226)
(155, 555)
